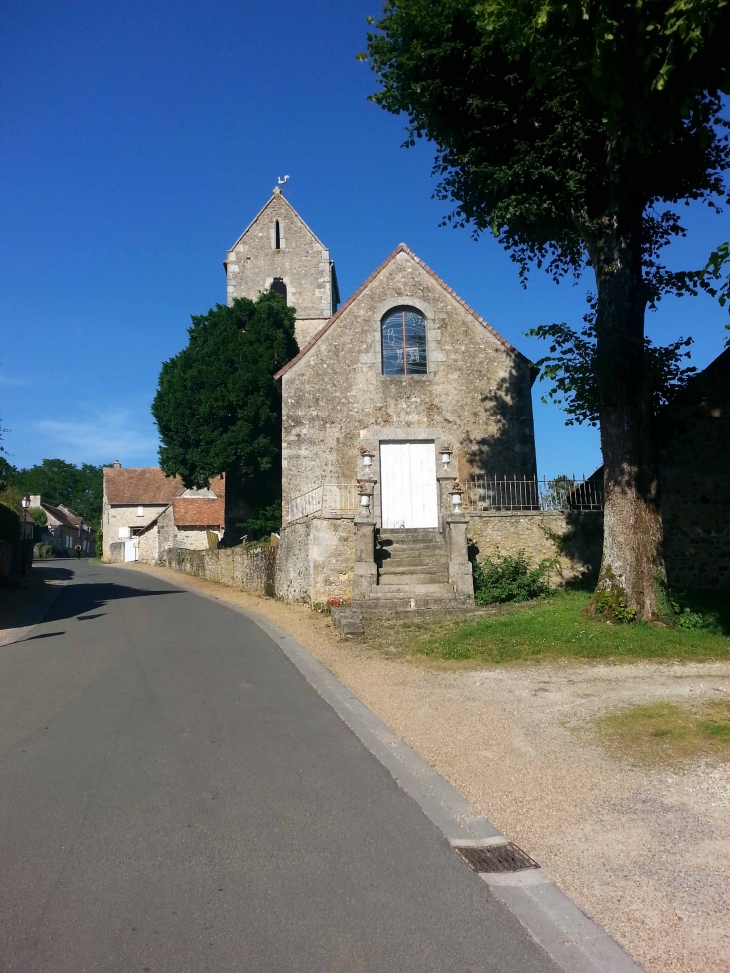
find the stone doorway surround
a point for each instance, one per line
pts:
(376, 436)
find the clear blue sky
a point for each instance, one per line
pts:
(140, 138)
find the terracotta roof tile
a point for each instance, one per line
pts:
(147, 484)
(199, 512)
(401, 248)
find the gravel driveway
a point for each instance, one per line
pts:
(645, 853)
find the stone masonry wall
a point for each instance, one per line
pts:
(331, 558)
(695, 482)
(253, 569)
(477, 392)
(576, 538)
(292, 563)
(316, 559)
(301, 262)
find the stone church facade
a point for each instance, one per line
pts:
(393, 402)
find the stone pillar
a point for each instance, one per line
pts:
(365, 575)
(445, 477)
(459, 564)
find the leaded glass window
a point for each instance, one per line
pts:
(404, 342)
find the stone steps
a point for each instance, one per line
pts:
(409, 560)
(420, 589)
(410, 579)
(415, 567)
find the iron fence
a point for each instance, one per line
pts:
(483, 494)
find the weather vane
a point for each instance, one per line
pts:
(277, 189)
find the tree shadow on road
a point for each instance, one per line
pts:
(83, 599)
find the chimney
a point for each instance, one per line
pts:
(117, 465)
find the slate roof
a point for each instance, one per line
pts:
(141, 485)
(401, 248)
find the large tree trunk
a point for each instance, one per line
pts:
(632, 569)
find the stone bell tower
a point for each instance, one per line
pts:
(277, 251)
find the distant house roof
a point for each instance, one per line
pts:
(59, 514)
(141, 485)
(199, 513)
(402, 248)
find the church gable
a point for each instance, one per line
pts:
(405, 361)
(403, 280)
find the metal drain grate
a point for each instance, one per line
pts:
(495, 858)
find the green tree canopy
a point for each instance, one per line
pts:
(217, 406)
(58, 482)
(570, 130)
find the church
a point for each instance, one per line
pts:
(399, 400)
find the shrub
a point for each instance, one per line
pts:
(690, 617)
(39, 515)
(613, 604)
(505, 578)
(9, 524)
(264, 524)
(45, 551)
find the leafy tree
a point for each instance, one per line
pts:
(570, 131)
(571, 367)
(7, 473)
(217, 406)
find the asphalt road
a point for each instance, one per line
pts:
(174, 796)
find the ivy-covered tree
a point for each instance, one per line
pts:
(217, 406)
(571, 130)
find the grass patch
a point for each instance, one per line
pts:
(550, 628)
(661, 733)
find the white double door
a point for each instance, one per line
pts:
(408, 488)
(131, 551)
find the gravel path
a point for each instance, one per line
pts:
(645, 853)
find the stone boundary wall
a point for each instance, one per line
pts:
(316, 559)
(253, 569)
(574, 537)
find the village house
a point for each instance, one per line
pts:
(145, 514)
(393, 402)
(64, 528)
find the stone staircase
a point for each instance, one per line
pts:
(413, 571)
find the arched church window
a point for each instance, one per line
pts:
(277, 236)
(278, 287)
(403, 333)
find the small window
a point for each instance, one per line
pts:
(404, 342)
(277, 236)
(140, 511)
(124, 533)
(279, 287)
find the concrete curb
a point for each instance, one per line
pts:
(33, 618)
(575, 942)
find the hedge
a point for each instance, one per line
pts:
(9, 524)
